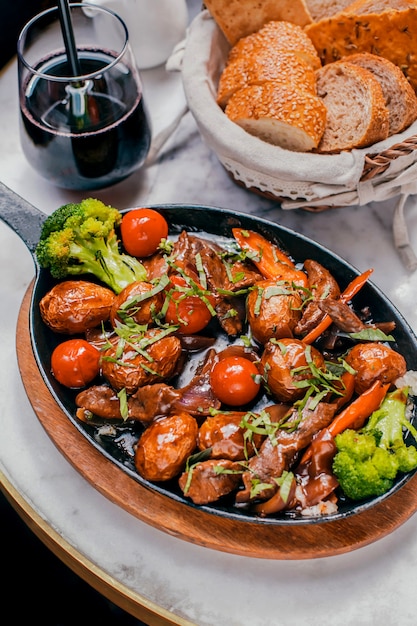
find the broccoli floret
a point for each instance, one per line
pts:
(81, 239)
(367, 461)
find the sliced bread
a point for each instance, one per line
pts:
(400, 98)
(283, 116)
(356, 113)
(390, 33)
(271, 64)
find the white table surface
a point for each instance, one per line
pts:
(196, 585)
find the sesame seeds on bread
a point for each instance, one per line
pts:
(294, 87)
(277, 35)
(268, 87)
(356, 113)
(283, 116)
(269, 65)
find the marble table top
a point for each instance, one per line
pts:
(196, 585)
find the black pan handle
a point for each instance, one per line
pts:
(22, 217)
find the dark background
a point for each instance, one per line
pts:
(36, 586)
(14, 14)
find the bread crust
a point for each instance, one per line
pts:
(281, 115)
(239, 18)
(277, 35)
(267, 65)
(391, 34)
(400, 98)
(319, 9)
(356, 113)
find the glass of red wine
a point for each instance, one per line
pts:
(85, 131)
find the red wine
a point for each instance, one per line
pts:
(97, 149)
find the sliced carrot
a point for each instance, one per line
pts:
(351, 290)
(354, 415)
(272, 262)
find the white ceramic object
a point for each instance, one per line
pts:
(155, 27)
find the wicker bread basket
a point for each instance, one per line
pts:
(314, 182)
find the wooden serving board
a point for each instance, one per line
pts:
(191, 524)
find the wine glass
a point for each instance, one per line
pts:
(89, 130)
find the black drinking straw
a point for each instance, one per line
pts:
(68, 35)
(78, 100)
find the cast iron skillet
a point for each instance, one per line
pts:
(27, 221)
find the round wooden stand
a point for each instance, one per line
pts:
(187, 523)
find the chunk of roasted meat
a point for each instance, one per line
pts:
(220, 277)
(315, 476)
(342, 315)
(278, 453)
(322, 285)
(210, 480)
(145, 405)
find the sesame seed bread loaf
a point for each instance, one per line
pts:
(268, 65)
(356, 113)
(283, 116)
(374, 26)
(239, 18)
(400, 98)
(277, 35)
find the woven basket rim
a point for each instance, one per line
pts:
(377, 163)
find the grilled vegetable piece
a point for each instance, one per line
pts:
(375, 361)
(149, 357)
(164, 447)
(368, 461)
(79, 239)
(75, 306)
(273, 310)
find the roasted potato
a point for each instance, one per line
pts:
(149, 360)
(375, 361)
(137, 302)
(74, 306)
(224, 435)
(272, 310)
(278, 365)
(164, 447)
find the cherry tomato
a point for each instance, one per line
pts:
(75, 363)
(142, 231)
(233, 380)
(188, 311)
